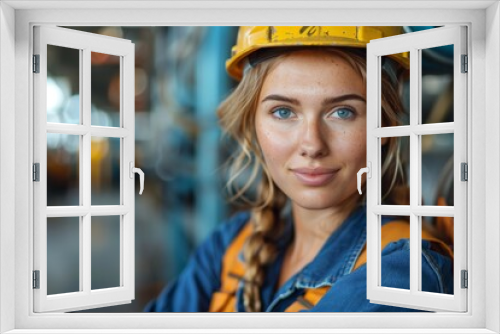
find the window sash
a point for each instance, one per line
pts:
(414, 42)
(86, 297)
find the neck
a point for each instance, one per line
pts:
(313, 227)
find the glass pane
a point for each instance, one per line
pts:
(395, 89)
(105, 89)
(437, 85)
(63, 85)
(395, 170)
(63, 169)
(105, 171)
(395, 260)
(105, 258)
(440, 228)
(63, 255)
(437, 169)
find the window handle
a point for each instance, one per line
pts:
(368, 171)
(138, 171)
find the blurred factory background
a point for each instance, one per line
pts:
(180, 79)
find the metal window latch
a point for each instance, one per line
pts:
(36, 279)
(465, 64)
(36, 63)
(133, 170)
(464, 171)
(36, 172)
(465, 279)
(368, 171)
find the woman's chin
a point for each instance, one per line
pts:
(315, 203)
(323, 201)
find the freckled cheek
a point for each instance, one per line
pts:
(274, 146)
(351, 145)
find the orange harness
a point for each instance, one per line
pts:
(233, 269)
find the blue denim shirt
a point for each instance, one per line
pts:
(332, 266)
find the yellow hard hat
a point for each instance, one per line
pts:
(251, 39)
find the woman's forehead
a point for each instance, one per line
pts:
(311, 70)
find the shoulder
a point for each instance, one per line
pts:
(348, 293)
(210, 255)
(229, 229)
(437, 267)
(193, 288)
(215, 246)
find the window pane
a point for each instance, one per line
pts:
(105, 80)
(395, 90)
(105, 258)
(395, 170)
(437, 169)
(63, 255)
(63, 85)
(63, 169)
(395, 248)
(437, 84)
(105, 171)
(440, 228)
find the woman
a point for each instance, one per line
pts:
(299, 116)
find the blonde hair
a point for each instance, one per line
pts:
(236, 114)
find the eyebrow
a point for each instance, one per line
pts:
(327, 101)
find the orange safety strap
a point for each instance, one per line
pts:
(232, 272)
(233, 269)
(395, 230)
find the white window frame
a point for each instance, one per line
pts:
(415, 43)
(16, 21)
(85, 297)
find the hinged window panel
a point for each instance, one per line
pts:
(416, 132)
(74, 149)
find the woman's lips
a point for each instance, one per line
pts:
(314, 177)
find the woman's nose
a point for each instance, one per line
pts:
(313, 143)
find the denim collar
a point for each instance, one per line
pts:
(345, 243)
(335, 259)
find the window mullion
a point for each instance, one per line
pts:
(122, 171)
(85, 164)
(127, 120)
(377, 173)
(414, 168)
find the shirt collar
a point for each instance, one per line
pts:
(335, 259)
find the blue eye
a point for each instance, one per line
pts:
(343, 113)
(282, 113)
